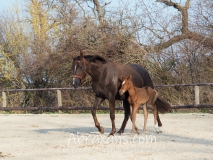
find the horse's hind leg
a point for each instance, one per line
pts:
(97, 103)
(152, 101)
(126, 106)
(153, 96)
(159, 122)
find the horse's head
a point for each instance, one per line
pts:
(78, 67)
(126, 84)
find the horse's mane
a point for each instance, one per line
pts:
(92, 58)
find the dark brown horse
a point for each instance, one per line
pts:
(139, 96)
(106, 84)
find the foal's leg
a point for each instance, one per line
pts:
(131, 111)
(126, 106)
(133, 117)
(97, 103)
(145, 117)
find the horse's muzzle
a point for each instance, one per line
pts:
(75, 82)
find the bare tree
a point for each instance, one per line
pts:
(186, 33)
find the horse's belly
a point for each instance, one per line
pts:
(99, 92)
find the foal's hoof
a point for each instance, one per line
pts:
(138, 132)
(111, 134)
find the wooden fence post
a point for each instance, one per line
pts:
(197, 95)
(59, 100)
(4, 99)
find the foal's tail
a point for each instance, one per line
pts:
(162, 105)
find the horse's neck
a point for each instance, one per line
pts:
(93, 70)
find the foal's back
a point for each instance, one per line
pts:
(146, 94)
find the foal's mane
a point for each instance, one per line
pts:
(93, 58)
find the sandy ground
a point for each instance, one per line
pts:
(73, 136)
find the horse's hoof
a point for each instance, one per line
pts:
(117, 134)
(101, 130)
(120, 131)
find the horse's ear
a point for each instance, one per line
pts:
(72, 56)
(130, 77)
(81, 54)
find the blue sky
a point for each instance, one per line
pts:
(6, 4)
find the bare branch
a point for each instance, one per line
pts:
(186, 33)
(170, 3)
(79, 4)
(106, 4)
(166, 44)
(100, 11)
(202, 40)
(187, 4)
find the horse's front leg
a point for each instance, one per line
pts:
(126, 106)
(97, 103)
(112, 114)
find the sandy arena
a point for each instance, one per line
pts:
(74, 136)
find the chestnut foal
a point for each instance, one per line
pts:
(139, 96)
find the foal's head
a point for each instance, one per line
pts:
(126, 84)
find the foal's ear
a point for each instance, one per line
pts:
(122, 77)
(130, 77)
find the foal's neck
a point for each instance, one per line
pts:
(132, 90)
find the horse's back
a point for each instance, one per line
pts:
(110, 82)
(147, 81)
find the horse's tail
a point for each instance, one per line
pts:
(162, 105)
